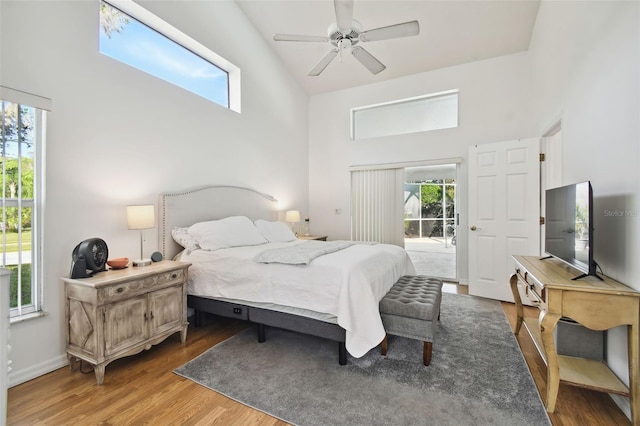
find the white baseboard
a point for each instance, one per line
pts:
(20, 376)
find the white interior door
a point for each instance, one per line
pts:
(504, 212)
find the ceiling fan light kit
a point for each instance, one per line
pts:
(346, 33)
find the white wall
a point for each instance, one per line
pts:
(586, 66)
(493, 106)
(117, 136)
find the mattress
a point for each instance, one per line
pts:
(346, 285)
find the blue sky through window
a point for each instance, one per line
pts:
(147, 50)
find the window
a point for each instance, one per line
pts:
(21, 146)
(134, 36)
(429, 210)
(431, 112)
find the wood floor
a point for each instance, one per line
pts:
(143, 389)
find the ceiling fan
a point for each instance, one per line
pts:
(346, 34)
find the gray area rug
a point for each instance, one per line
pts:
(477, 375)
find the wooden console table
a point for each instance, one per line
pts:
(597, 305)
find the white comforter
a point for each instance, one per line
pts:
(348, 283)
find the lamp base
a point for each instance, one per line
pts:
(142, 262)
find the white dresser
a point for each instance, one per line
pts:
(4, 342)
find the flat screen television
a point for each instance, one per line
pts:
(569, 226)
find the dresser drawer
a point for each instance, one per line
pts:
(140, 286)
(533, 289)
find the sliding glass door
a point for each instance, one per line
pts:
(430, 219)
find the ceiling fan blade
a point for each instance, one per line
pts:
(344, 15)
(368, 60)
(405, 29)
(294, 37)
(324, 62)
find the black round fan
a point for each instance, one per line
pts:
(89, 257)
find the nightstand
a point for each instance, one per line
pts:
(313, 237)
(117, 313)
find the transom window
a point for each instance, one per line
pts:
(431, 112)
(134, 36)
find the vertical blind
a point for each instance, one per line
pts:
(377, 206)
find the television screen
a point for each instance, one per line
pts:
(569, 225)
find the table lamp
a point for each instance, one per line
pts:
(141, 217)
(292, 216)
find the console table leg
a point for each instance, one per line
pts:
(513, 282)
(633, 340)
(548, 322)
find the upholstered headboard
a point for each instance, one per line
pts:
(184, 208)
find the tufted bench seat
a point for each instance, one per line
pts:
(410, 309)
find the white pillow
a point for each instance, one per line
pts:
(233, 231)
(275, 232)
(186, 240)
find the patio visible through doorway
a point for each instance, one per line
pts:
(431, 257)
(430, 219)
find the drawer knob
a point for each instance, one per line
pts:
(174, 275)
(120, 290)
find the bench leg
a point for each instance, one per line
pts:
(426, 353)
(384, 346)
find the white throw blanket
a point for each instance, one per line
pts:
(301, 254)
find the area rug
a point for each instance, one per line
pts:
(477, 375)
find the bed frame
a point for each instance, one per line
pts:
(212, 202)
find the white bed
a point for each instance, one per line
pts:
(335, 296)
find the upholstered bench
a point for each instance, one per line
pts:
(411, 309)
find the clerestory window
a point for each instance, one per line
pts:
(136, 37)
(421, 114)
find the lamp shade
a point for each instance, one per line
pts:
(292, 216)
(141, 217)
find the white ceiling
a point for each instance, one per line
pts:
(452, 32)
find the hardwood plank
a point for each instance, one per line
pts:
(143, 389)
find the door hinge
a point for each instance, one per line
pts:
(542, 156)
(541, 220)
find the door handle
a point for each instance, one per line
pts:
(473, 227)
